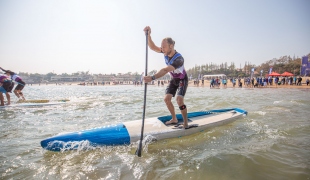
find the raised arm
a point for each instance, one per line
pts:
(151, 43)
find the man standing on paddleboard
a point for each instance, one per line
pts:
(179, 81)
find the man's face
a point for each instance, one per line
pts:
(166, 48)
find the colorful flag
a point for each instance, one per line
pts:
(141, 79)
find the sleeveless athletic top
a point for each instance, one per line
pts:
(15, 77)
(178, 72)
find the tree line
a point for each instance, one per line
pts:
(279, 65)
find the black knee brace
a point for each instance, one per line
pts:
(182, 107)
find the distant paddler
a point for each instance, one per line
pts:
(20, 83)
(6, 86)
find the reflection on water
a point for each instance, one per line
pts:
(272, 142)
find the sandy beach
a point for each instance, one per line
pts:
(230, 85)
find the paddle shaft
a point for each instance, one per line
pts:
(139, 150)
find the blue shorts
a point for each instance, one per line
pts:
(2, 90)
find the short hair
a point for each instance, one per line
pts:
(10, 72)
(169, 40)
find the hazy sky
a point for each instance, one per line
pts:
(106, 36)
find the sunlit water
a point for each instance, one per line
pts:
(272, 142)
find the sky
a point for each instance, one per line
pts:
(106, 36)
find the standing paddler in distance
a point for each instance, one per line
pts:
(179, 81)
(6, 86)
(20, 83)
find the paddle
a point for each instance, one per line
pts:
(138, 152)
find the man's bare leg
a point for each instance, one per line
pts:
(1, 99)
(16, 93)
(22, 95)
(170, 107)
(8, 97)
(180, 101)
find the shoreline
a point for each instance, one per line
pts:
(190, 84)
(230, 85)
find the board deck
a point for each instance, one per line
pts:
(157, 128)
(41, 100)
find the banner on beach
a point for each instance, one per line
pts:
(305, 66)
(252, 72)
(270, 70)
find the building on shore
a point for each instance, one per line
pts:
(221, 76)
(60, 78)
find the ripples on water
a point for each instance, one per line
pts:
(272, 142)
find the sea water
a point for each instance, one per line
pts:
(272, 142)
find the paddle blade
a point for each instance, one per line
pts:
(139, 150)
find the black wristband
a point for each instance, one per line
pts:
(153, 77)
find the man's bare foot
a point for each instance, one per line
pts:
(172, 122)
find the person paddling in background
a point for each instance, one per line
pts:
(179, 81)
(20, 83)
(6, 86)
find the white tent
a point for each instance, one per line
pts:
(221, 76)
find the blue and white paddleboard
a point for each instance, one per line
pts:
(129, 132)
(31, 104)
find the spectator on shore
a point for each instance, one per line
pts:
(299, 81)
(252, 82)
(224, 83)
(276, 80)
(212, 83)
